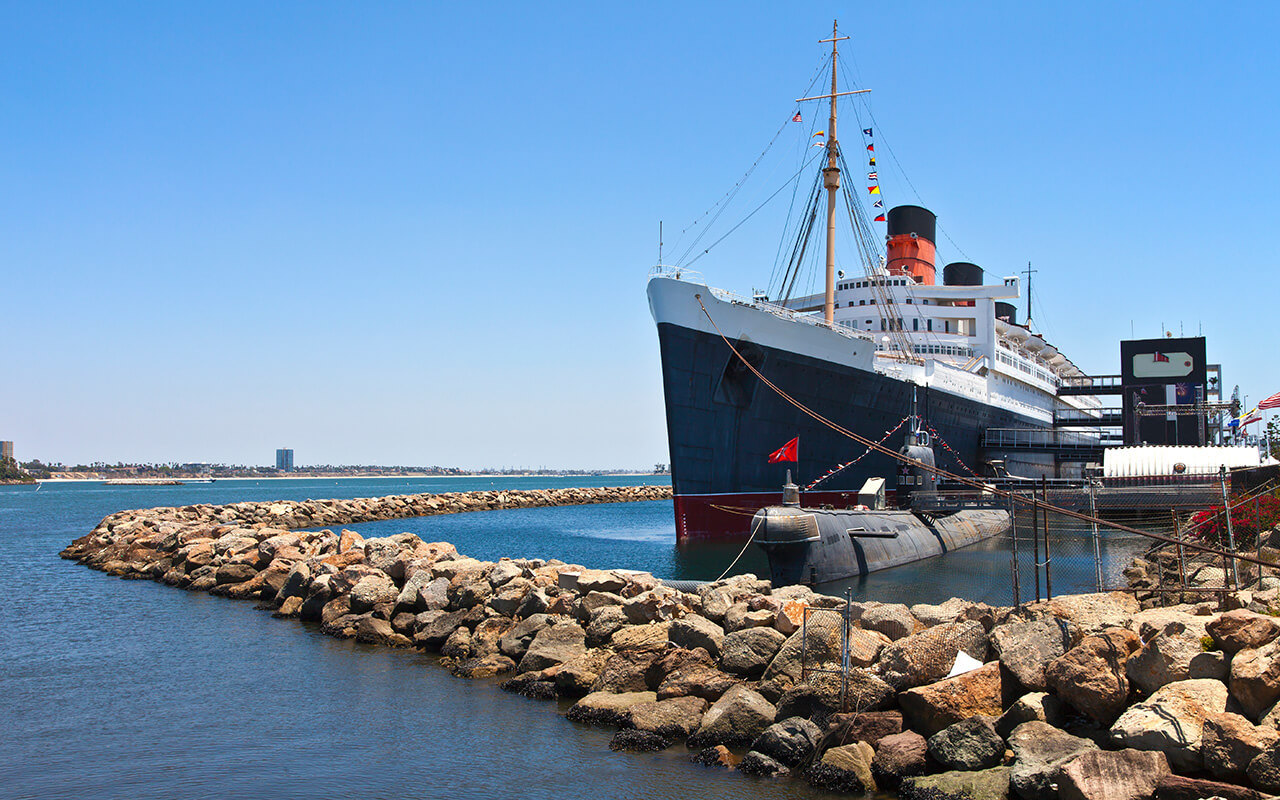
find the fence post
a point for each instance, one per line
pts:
(1035, 539)
(1097, 543)
(1013, 551)
(804, 642)
(1048, 560)
(1231, 534)
(1182, 561)
(844, 658)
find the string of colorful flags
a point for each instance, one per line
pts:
(873, 175)
(847, 464)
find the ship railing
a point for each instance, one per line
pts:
(1039, 437)
(676, 273)
(1093, 381)
(781, 312)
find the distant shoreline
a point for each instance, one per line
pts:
(369, 477)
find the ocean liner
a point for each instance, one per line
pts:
(879, 352)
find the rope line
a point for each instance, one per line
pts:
(1030, 502)
(755, 526)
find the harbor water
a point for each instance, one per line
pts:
(133, 689)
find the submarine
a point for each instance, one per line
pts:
(818, 545)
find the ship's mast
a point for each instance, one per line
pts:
(831, 174)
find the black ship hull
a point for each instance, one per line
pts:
(723, 422)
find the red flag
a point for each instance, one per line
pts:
(1271, 402)
(879, 218)
(788, 452)
(871, 148)
(796, 118)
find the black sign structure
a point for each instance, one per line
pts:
(1163, 372)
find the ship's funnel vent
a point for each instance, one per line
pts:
(911, 249)
(1007, 312)
(906, 220)
(962, 273)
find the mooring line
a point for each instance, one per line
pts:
(1011, 496)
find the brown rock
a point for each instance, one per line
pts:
(845, 769)
(898, 756)
(870, 727)
(1112, 775)
(1230, 742)
(676, 718)
(1240, 629)
(1255, 678)
(1176, 787)
(931, 708)
(1091, 676)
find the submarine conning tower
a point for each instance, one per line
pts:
(911, 249)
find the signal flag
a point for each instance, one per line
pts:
(788, 452)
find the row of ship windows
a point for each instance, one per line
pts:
(897, 324)
(879, 282)
(872, 301)
(1023, 367)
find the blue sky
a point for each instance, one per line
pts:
(420, 233)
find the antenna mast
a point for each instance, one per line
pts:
(831, 174)
(1028, 272)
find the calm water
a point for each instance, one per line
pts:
(132, 689)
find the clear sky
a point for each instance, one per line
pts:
(419, 233)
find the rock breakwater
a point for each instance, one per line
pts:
(1081, 697)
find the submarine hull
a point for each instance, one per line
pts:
(811, 546)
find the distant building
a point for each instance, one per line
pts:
(6, 450)
(284, 460)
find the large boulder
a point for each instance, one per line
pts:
(1112, 775)
(790, 742)
(845, 769)
(1093, 613)
(928, 656)
(970, 744)
(641, 636)
(736, 719)
(931, 708)
(894, 620)
(1091, 676)
(1176, 787)
(1240, 629)
(554, 645)
(604, 622)
(1025, 647)
(577, 676)
(694, 631)
(818, 645)
(870, 727)
(1172, 721)
(607, 708)
(1229, 742)
(747, 652)
(1034, 706)
(433, 628)
(1255, 678)
(1264, 769)
(898, 756)
(988, 784)
(1169, 657)
(627, 671)
(373, 590)
(1039, 751)
(515, 642)
(697, 678)
(676, 718)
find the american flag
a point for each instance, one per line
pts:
(1271, 402)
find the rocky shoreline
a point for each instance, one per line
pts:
(1086, 696)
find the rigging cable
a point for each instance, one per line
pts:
(724, 201)
(749, 216)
